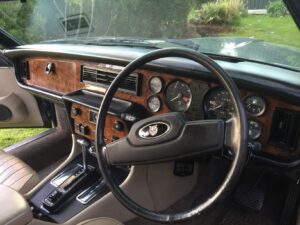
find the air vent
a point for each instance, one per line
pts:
(104, 78)
(285, 129)
(25, 70)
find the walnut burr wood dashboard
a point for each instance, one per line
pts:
(155, 92)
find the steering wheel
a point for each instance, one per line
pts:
(169, 136)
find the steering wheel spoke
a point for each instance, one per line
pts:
(231, 139)
(166, 137)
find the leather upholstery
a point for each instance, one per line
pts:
(101, 221)
(16, 174)
(15, 209)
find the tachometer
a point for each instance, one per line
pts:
(178, 96)
(218, 105)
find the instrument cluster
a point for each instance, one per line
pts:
(178, 96)
(217, 105)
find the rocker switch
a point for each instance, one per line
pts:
(83, 129)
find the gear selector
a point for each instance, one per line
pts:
(82, 176)
(84, 147)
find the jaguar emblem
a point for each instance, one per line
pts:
(154, 130)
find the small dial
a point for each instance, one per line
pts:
(218, 105)
(178, 96)
(255, 105)
(154, 103)
(155, 85)
(254, 130)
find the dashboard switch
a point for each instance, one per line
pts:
(118, 126)
(75, 111)
(254, 146)
(129, 117)
(83, 129)
(114, 138)
(77, 126)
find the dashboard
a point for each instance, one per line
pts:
(80, 82)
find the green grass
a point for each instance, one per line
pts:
(11, 136)
(279, 30)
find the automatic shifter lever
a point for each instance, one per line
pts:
(78, 180)
(84, 147)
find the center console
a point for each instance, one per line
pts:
(79, 184)
(72, 189)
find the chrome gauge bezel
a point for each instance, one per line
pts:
(264, 106)
(160, 103)
(258, 135)
(207, 94)
(151, 88)
(167, 100)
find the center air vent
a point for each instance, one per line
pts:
(104, 78)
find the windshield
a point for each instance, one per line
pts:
(260, 30)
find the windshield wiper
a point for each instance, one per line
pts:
(107, 41)
(129, 42)
(227, 58)
(183, 43)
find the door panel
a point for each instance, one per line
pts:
(18, 108)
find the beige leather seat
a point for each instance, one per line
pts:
(101, 221)
(16, 174)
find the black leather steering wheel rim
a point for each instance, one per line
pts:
(238, 139)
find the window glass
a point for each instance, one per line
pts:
(260, 30)
(12, 136)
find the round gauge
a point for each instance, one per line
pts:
(155, 84)
(154, 103)
(178, 96)
(218, 105)
(255, 105)
(254, 130)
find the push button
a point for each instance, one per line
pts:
(75, 111)
(83, 129)
(118, 126)
(114, 138)
(254, 146)
(77, 126)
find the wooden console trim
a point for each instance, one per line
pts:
(64, 78)
(266, 121)
(109, 131)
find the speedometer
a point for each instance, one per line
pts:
(218, 105)
(178, 96)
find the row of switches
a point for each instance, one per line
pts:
(119, 126)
